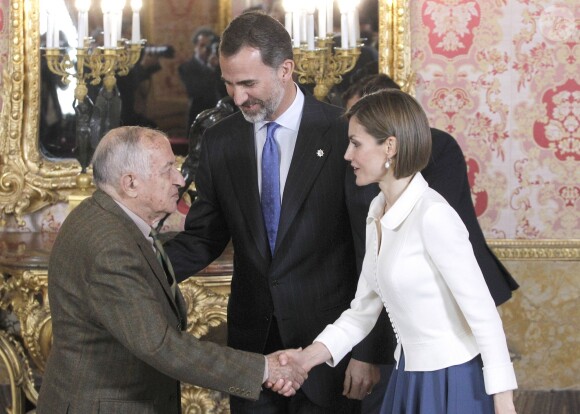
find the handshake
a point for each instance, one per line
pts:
(288, 369)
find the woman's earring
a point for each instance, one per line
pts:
(388, 164)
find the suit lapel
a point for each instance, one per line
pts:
(241, 162)
(310, 154)
(146, 249)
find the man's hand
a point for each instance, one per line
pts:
(286, 378)
(359, 379)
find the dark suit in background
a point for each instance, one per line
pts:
(446, 173)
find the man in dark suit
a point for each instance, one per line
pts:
(118, 316)
(290, 280)
(198, 77)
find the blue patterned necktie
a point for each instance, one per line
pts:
(271, 185)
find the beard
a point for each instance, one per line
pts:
(266, 108)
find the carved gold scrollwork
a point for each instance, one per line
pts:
(206, 309)
(395, 42)
(28, 181)
(26, 295)
(568, 250)
(15, 364)
(195, 400)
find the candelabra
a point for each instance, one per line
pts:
(324, 65)
(92, 63)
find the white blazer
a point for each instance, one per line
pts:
(426, 276)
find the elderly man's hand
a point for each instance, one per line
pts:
(284, 379)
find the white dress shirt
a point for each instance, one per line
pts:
(285, 138)
(425, 274)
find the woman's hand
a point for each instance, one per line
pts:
(312, 355)
(504, 402)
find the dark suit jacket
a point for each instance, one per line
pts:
(202, 86)
(118, 340)
(446, 173)
(312, 276)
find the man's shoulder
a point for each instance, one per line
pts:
(311, 102)
(95, 221)
(229, 126)
(444, 146)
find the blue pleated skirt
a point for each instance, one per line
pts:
(455, 390)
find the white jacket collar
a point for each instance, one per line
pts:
(402, 207)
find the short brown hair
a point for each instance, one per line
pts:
(259, 31)
(392, 112)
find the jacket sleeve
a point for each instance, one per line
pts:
(124, 301)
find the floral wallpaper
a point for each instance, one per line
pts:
(502, 77)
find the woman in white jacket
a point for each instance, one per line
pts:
(420, 266)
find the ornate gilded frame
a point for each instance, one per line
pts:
(30, 181)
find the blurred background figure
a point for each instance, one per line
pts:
(199, 76)
(135, 87)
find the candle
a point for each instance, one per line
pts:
(56, 35)
(113, 16)
(352, 38)
(83, 7)
(310, 29)
(106, 7)
(136, 27)
(344, 30)
(303, 28)
(322, 19)
(330, 16)
(296, 28)
(49, 29)
(356, 26)
(119, 28)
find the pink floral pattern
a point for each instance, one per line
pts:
(502, 78)
(561, 131)
(451, 25)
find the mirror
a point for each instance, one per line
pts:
(29, 179)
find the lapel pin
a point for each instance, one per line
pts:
(320, 153)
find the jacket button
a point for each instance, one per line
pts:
(275, 283)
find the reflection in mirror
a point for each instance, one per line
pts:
(31, 181)
(57, 124)
(113, 54)
(178, 75)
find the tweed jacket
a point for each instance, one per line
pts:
(424, 272)
(119, 343)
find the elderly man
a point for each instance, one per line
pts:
(117, 313)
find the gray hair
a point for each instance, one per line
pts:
(121, 151)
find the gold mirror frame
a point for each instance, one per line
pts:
(29, 180)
